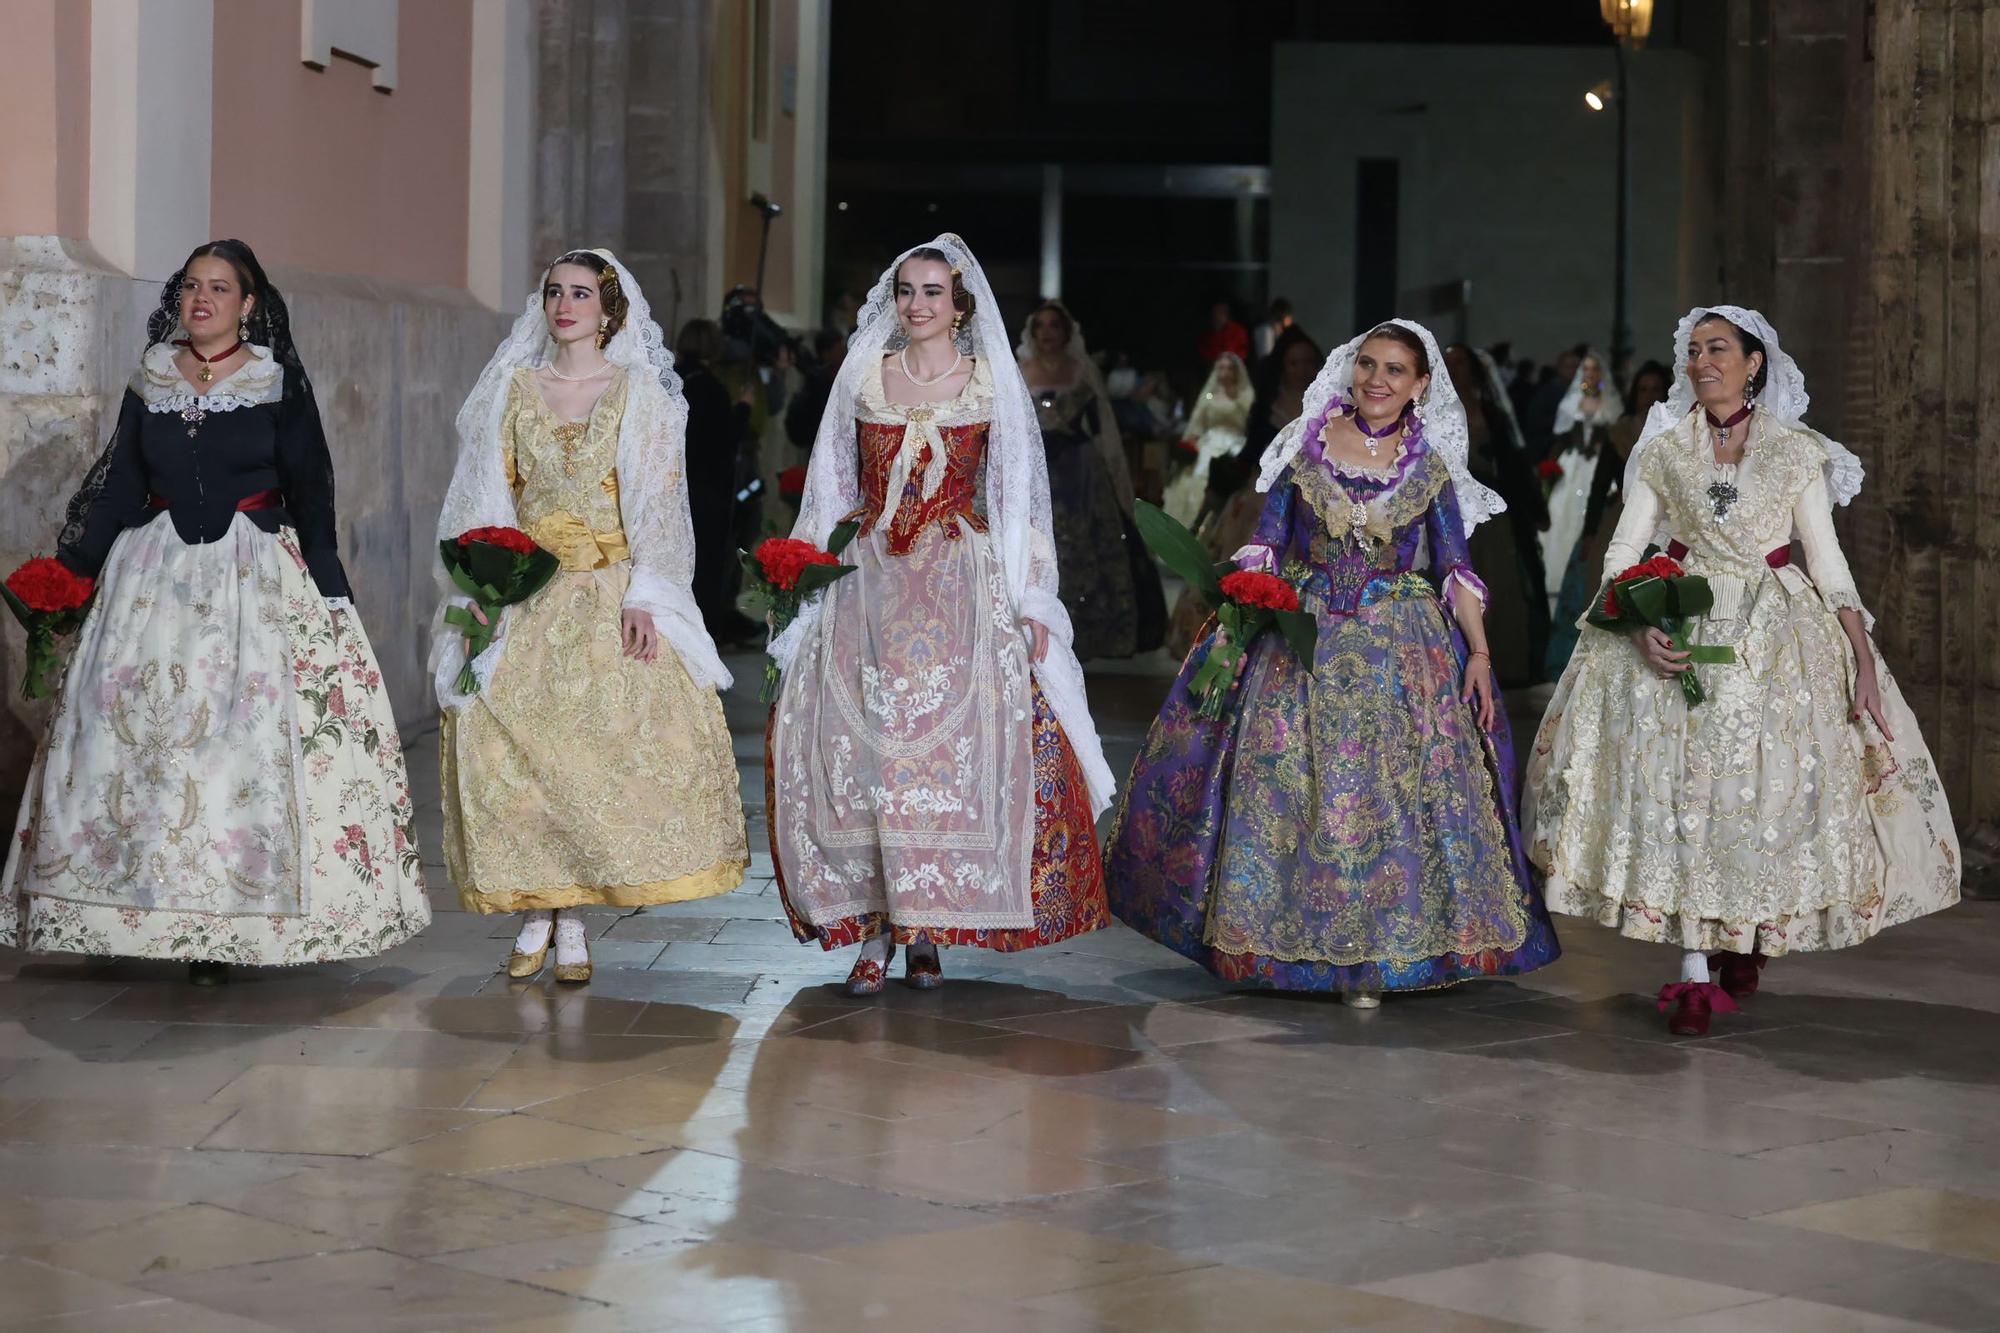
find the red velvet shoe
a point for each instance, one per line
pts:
(868, 975)
(1693, 1002)
(1737, 972)
(923, 971)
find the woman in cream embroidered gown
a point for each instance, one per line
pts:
(221, 780)
(1797, 808)
(934, 773)
(1214, 430)
(1584, 418)
(593, 765)
(1347, 824)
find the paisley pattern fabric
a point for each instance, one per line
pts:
(918, 780)
(222, 779)
(1346, 825)
(1096, 579)
(1764, 818)
(580, 775)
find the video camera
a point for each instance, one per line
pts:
(745, 323)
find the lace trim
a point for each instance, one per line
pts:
(973, 402)
(162, 388)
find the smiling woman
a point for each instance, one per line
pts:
(934, 772)
(1797, 808)
(222, 782)
(1348, 825)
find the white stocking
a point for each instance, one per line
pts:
(876, 947)
(571, 948)
(1694, 967)
(535, 927)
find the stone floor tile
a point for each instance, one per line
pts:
(509, 1143)
(109, 1124)
(340, 1131)
(190, 1239)
(1217, 1296)
(408, 1212)
(156, 1315)
(1935, 1221)
(27, 1221)
(327, 1086)
(978, 1173)
(366, 1291)
(1557, 1291)
(1786, 1315)
(1012, 1260)
(31, 1290)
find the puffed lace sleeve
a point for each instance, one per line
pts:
(1630, 538)
(1451, 557)
(1812, 519)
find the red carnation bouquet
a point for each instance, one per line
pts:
(49, 600)
(1659, 594)
(1247, 603)
(495, 567)
(791, 573)
(1548, 472)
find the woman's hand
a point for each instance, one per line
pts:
(1038, 639)
(1479, 685)
(1660, 653)
(1868, 698)
(642, 641)
(472, 609)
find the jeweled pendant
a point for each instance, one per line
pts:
(1722, 495)
(204, 374)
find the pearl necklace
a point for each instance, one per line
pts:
(903, 362)
(577, 379)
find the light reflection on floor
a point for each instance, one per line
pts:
(1093, 1136)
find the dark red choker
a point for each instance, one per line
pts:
(1725, 425)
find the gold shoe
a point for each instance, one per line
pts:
(573, 972)
(521, 966)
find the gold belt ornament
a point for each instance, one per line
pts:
(575, 544)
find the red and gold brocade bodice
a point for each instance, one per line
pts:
(920, 463)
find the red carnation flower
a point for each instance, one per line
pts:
(47, 584)
(1659, 567)
(507, 539)
(1549, 470)
(1252, 587)
(783, 559)
(792, 482)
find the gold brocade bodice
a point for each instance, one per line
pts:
(565, 474)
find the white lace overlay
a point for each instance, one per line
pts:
(1444, 425)
(652, 488)
(902, 750)
(1765, 817)
(1016, 488)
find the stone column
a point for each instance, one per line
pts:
(1930, 520)
(623, 139)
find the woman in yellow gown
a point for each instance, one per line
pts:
(592, 764)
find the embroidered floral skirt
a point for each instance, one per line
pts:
(583, 776)
(1343, 827)
(221, 779)
(1764, 818)
(917, 780)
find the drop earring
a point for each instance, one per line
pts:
(961, 336)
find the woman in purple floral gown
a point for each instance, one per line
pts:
(1347, 826)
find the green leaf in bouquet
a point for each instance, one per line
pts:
(815, 577)
(20, 608)
(1301, 631)
(1178, 549)
(842, 534)
(540, 567)
(1649, 599)
(466, 584)
(494, 566)
(1692, 596)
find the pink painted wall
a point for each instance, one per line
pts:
(319, 170)
(45, 107)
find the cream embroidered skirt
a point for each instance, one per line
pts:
(1763, 818)
(222, 779)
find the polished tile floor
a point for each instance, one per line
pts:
(1093, 1136)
